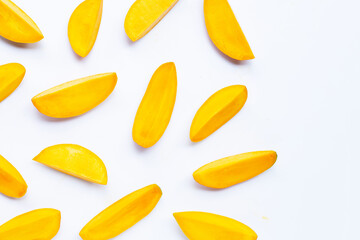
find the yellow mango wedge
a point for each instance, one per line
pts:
(156, 107)
(16, 26)
(122, 215)
(12, 183)
(84, 26)
(75, 97)
(11, 75)
(208, 226)
(217, 110)
(225, 31)
(232, 170)
(143, 16)
(76, 161)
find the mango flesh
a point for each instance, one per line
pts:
(122, 215)
(12, 184)
(143, 16)
(40, 224)
(84, 26)
(156, 107)
(75, 97)
(11, 75)
(224, 30)
(232, 170)
(74, 160)
(217, 110)
(208, 226)
(16, 25)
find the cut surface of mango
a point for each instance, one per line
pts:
(208, 226)
(75, 97)
(123, 214)
(16, 25)
(156, 107)
(74, 160)
(232, 170)
(143, 16)
(11, 75)
(12, 184)
(224, 30)
(217, 110)
(40, 224)
(84, 26)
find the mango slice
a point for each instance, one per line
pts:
(122, 215)
(217, 110)
(75, 97)
(74, 160)
(12, 184)
(143, 16)
(84, 26)
(11, 75)
(208, 226)
(156, 107)
(40, 224)
(232, 170)
(225, 31)
(16, 26)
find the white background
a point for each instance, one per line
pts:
(303, 102)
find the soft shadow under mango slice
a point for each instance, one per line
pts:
(12, 184)
(74, 160)
(11, 75)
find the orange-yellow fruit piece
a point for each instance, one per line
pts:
(208, 226)
(75, 97)
(225, 31)
(11, 75)
(84, 26)
(74, 160)
(123, 214)
(143, 16)
(156, 107)
(16, 25)
(217, 110)
(40, 224)
(232, 170)
(12, 183)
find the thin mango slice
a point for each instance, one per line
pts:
(143, 16)
(74, 160)
(11, 75)
(156, 107)
(84, 26)
(224, 30)
(40, 224)
(209, 226)
(16, 25)
(122, 215)
(75, 97)
(12, 184)
(232, 170)
(217, 110)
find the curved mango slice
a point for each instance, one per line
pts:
(208, 226)
(225, 31)
(122, 215)
(16, 26)
(11, 75)
(143, 16)
(217, 110)
(84, 26)
(40, 224)
(156, 107)
(12, 183)
(74, 160)
(232, 170)
(75, 97)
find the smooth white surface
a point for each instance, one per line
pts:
(303, 102)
